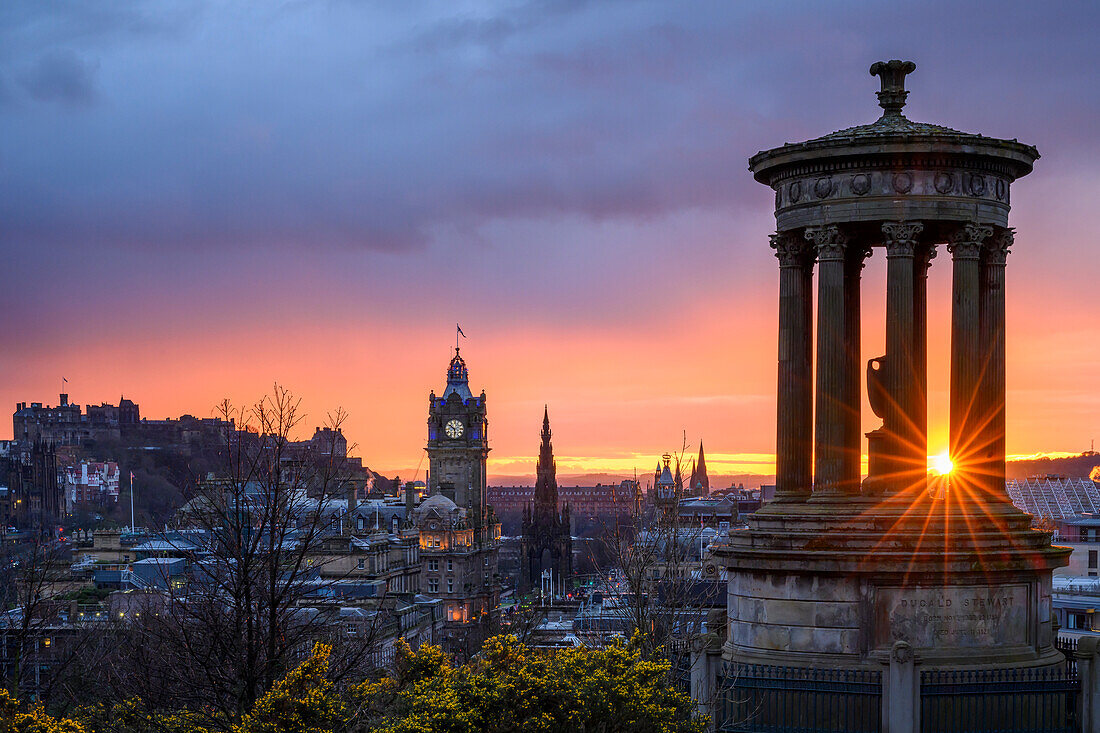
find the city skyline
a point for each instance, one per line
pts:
(177, 233)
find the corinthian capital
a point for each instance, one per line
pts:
(966, 241)
(791, 251)
(829, 242)
(925, 255)
(997, 248)
(900, 237)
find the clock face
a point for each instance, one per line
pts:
(454, 429)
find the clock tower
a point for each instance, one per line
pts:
(459, 533)
(458, 446)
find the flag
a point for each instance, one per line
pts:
(460, 331)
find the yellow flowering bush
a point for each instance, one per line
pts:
(16, 717)
(508, 687)
(511, 687)
(302, 702)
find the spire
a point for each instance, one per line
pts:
(700, 481)
(546, 482)
(458, 378)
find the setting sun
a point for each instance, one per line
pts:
(942, 463)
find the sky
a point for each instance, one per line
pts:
(199, 199)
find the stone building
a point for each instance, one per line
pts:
(60, 425)
(34, 495)
(589, 506)
(92, 482)
(668, 486)
(459, 532)
(547, 543)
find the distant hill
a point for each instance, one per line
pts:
(1073, 466)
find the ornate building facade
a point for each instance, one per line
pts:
(668, 486)
(459, 532)
(547, 539)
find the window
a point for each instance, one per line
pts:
(362, 564)
(395, 525)
(1092, 558)
(451, 565)
(433, 565)
(433, 585)
(450, 585)
(351, 630)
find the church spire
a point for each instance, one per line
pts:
(700, 482)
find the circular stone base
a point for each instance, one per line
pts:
(837, 584)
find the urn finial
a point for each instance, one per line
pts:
(893, 94)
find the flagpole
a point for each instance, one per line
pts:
(132, 501)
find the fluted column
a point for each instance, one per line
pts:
(900, 421)
(967, 361)
(992, 391)
(794, 423)
(855, 254)
(832, 446)
(923, 260)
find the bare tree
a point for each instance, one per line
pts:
(654, 581)
(43, 643)
(215, 640)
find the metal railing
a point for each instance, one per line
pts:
(773, 699)
(1000, 701)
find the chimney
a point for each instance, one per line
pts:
(353, 498)
(410, 500)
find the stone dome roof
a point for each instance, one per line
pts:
(893, 132)
(440, 503)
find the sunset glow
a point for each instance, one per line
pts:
(178, 236)
(942, 463)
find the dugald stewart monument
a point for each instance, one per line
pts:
(888, 575)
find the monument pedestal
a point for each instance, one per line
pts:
(836, 585)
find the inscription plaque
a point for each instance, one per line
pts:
(958, 616)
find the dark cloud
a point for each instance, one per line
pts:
(429, 135)
(336, 124)
(60, 76)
